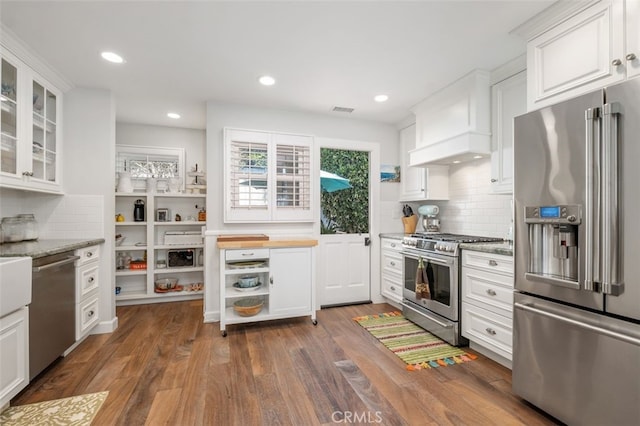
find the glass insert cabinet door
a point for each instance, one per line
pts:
(9, 118)
(44, 147)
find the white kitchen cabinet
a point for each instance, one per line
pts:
(420, 183)
(14, 354)
(508, 100)
(30, 127)
(391, 266)
(145, 242)
(487, 303)
(287, 286)
(87, 290)
(268, 177)
(596, 47)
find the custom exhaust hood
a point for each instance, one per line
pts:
(454, 124)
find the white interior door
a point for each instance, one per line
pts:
(344, 258)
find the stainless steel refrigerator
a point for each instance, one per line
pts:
(576, 345)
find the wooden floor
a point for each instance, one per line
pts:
(163, 365)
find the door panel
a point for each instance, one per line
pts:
(344, 270)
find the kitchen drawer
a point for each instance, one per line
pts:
(488, 290)
(391, 244)
(246, 254)
(391, 263)
(487, 329)
(88, 315)
(87, 254)
(488, 261)
(87, 279)
(392, 287)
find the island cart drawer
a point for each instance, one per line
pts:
(246, 254)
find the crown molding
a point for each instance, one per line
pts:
(26, 54)
(550, 17)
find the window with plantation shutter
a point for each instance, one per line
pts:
(267, 177)
(248, 175)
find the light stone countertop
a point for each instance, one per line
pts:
(394, 236)
(44, 247)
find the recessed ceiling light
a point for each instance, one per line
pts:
(267, 80)
(173, 115)
(381, 98)
(477, 156)
(456, 162)
(112, 57)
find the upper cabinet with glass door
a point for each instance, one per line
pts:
(267, 177)
(30, 128)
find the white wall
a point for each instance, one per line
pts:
(220, 115)
(88, 168)
(472, 209)
(192, 140)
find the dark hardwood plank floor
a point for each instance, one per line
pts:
(163, 365)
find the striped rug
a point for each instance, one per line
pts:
(416, 347)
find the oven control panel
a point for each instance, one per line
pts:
(419, 244)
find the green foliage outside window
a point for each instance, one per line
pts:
(347, 210)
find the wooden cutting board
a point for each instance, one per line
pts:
(242, 237)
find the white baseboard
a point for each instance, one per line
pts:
(211, 316)
(104, 327)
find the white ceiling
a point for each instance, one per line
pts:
(323, 54)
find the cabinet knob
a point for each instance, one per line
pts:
(616, 62)
(493, 263)
(90, 280)
(392, 263)
(89, 254)
(491, 292)
(29, 174)
(631, 57)
(494, 180)
(393, 244)
(271, 280)
(490, 331)
(392, 288)
(90, 314)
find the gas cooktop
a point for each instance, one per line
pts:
(441, 243)
(458, 238)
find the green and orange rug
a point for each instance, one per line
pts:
(418, 348)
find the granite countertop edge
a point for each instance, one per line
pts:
(41, 248)
(495, 248)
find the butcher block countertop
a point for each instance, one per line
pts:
(271, 243)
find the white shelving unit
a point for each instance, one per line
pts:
(137, 285)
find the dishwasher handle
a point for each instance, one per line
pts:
(55, 264)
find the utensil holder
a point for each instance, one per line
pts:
(410, 224)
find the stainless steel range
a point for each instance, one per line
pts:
(440, 312)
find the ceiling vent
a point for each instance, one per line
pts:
(342, 109)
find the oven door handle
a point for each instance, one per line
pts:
(440, 323)
(426, 258)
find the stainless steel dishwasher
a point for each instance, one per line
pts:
(52, 314)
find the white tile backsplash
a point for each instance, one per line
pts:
(58, 216)
(472, 208)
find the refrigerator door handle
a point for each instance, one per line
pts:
(610, 333)
(592, 200)
(610, 220)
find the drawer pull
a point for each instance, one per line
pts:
(393, 245)
(491, 292)
(90, 280)
(490, 331)
(248, 254)
(89, 254)
(392, 263)
(493, 263)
